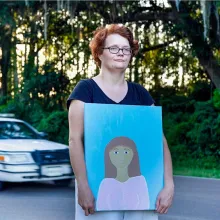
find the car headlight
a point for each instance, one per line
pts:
(16, 158)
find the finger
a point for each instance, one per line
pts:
(163, 209)
(91, 211)
(157, 203)
(160, 208)
(86, 212)
(165, 212)
(80, 204)
(92, 208)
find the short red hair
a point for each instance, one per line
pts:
(101, 33)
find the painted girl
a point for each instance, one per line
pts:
(123, 188)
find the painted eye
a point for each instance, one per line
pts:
(116, 152)
(126, 152)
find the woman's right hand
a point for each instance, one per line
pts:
(86, 199)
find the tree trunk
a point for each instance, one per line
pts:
(29, 66)
(6, 53)
(194, 32)
(15, 70)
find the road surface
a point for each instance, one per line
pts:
(195, 199)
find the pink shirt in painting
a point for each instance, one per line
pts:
(129, 195)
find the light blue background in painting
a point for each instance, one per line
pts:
(142, 124)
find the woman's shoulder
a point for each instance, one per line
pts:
(84, 85)
(137, 86)
(85, 82)
(142, 93)
(82, 91)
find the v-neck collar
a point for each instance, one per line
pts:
(107, 96)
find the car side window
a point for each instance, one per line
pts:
(15, 130)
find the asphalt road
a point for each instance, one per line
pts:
(195, 199)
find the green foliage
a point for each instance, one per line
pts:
(48, 88)
(28, 110)
(56, 125)
(199, 91)
(216, 99)
(195, 134)
(39, 79)
(204, 135)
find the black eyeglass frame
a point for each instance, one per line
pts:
(122, 49)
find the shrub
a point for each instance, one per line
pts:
(56, 125)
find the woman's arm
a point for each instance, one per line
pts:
(165, 197)
(76, 148)
(168, 168)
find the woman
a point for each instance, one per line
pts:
(122, 173)
(112, 48)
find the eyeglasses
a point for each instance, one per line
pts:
(115, 50)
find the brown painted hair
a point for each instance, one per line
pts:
(133, 168)
(101, 33)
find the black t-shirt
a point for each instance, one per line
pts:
(88, 91)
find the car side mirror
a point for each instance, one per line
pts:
(43, 135)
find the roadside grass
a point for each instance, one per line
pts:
(197, 172)
(185, 164)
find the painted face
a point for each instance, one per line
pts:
(121, 156)
(115, 61)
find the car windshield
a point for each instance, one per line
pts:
(16, 130)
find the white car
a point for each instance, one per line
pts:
(26, 156)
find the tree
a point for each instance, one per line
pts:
(62, 31)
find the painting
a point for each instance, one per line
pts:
(124, 155)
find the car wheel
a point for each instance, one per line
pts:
(64, 182)
(2, 185)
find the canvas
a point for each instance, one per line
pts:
(124, 155)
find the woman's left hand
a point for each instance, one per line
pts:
(164, 199)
